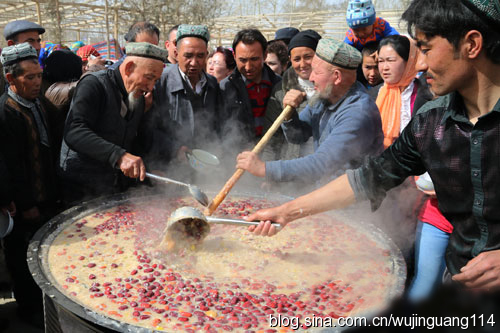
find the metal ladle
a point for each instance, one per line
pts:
(188, 224)
(193, 190)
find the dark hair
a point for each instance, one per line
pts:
(174, 28)
(140, 27)
(399, 43)
(250, 36)
(279, 48)
(62, 66)
(228, 57)
(451, 20)
(16, 69)
(369, 48)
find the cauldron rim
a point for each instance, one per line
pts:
(35, 252)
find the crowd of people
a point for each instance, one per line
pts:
(370, 111)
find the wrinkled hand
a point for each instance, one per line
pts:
(132, 166)
(482, 272)
(148, 101)
(251, 162)
(265, 228)
(31, 214)
(293, 98)
(181, 153)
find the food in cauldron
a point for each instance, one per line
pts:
(109, 262)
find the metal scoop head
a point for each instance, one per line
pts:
(193, 190)
(188, 225)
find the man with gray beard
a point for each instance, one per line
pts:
(342, 119)
(102, 125)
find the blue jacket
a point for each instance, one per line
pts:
(343, 133)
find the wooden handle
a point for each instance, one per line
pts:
(239, 172)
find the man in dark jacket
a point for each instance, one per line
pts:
(187, 101)
(247, 90)
(27, 145)
(102, 124)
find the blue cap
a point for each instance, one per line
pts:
(15, 27)
(360, 13)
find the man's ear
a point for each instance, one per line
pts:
(129, 68)
(337, 74)
(473, 42)
(10, 78)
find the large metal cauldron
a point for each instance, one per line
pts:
(64, 314)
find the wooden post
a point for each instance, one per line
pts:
(107, 28)
(78, 37)
(58, 26)
(115, 30)
(38, 12)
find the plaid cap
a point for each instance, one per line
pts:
(188, 30)
(338, 53)
(146, 50)
(16, 53)
(487, 9)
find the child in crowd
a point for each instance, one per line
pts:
(364, 26)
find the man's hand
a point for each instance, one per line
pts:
(250, 162)
(11, 208)
(181, 153)
(482, 272)
(265, 228)
(31, 214)
(132, 166)
(293, 98)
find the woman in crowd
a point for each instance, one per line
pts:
(277, 57)
(222, 63)
(302, 49)
(399, 98)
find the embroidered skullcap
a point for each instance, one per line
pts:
(338, 53)
(487, 9)
(16, 53)
(146, 50)
(188, 30)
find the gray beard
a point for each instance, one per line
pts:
(323, 96)
(135, 104)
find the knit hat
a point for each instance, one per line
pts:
(76, 45)
(16, 53)
(338, 53)
(86, 51)
(360, 13)
(146, 50)
(307, 38)
(188, 30)
(489, 10)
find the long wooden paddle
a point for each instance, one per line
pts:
(239, 172)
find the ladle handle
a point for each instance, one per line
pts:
(239, 172)
(165, 179)
(238, 222)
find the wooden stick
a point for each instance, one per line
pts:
(239, 172)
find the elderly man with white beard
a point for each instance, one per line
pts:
(342, 119)
(102, 125)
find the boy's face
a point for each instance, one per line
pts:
(364, 32)
(447, 68)
(370, 70)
